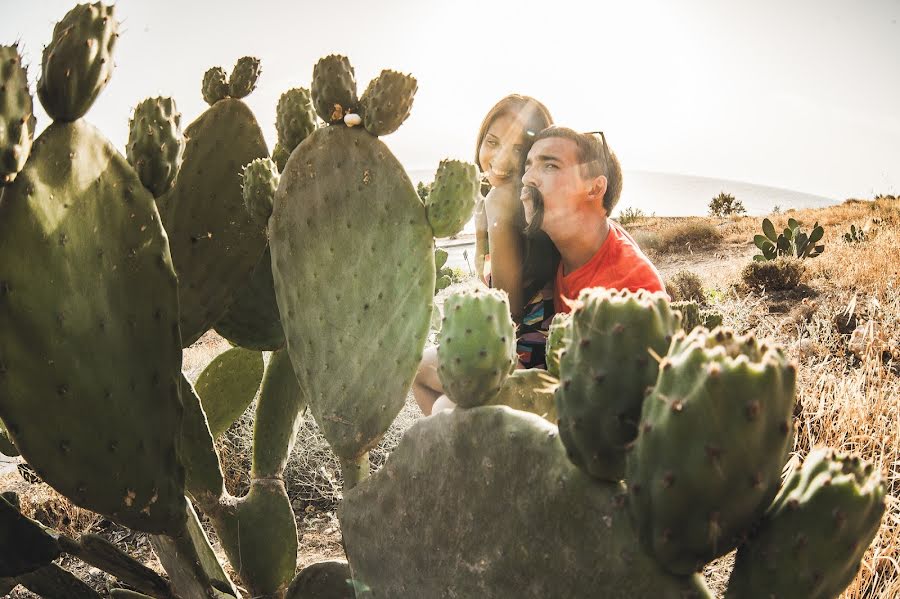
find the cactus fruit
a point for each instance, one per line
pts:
(77, 223)
(530, 390)
(280, 156)
(228, 385)
(215, 243)
(346, 199)
(252, 320)
(387, 102)
(517, 532)
(215, 85)
(714, 436)
(333, 88)
(244, 76)
(77, 63)
(452, 198)
(609, 362)
(476, 346)
(155, 144)
(323, 580)
(814, 534)
(260, 180)
(16, 115)
(295, 119)
(557, 338)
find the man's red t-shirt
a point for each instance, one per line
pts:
(618, 264)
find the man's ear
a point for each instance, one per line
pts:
(598, 188)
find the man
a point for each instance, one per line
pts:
(572, 182)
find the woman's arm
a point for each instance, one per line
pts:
(503, 213)
(481, 238)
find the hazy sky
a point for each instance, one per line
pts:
(803, 94)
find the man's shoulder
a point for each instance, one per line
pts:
(635, 269)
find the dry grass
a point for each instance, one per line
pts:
(681, 235)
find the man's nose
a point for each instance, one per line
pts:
(527, 178)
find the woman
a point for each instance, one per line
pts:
(505, 259)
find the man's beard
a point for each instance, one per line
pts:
(533, 228)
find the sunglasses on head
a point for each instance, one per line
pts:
(605, 148)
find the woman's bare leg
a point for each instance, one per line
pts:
(427, 386)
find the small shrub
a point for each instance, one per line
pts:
(457, 274)
(682, 237)
(630, 215)
(776, 209)
(780, 274)
(725, 204)
(685, 286)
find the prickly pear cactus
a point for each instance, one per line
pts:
(815, 533)
(387, 102)
(215, 85)
(215, 242)
(155, 144)
(323, 580)
(260, 181)
(16, 115)
(77, 223)
(295, 118)
(252, 320)
(228, 385)
(502, 544)
(77, 63)
(334, 88)
(690, 314)
(477, 346)
(441, 274)
(452, 197)
(557, 339)
(714, 435)
(605, 370)
(244, 76)
(355, 329)
(25, 545)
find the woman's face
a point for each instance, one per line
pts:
(501, 153)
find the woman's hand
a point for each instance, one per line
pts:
(502, 206)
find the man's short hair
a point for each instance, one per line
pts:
(590, 156)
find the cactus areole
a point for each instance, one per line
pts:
(352, 259)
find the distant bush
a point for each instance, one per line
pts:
(685, 286)
(423, 190)
(630, 215)
(724, 204)
(683, 237)
(780, 274)
(458, 275)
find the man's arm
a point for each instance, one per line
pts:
(503, 213)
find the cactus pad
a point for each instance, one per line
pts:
(252, 320)
(452, 198)
(244, 76)
(228, 385)
(278, 416)
(387, 102)
(295, 119)
(557, 339)
(77, 63)
(503, 545)
(333, 88)
(77, 224)
(815, 533)
(215, 244)
(25, 545)
(260, 180)
(215, 85)
(323, 580)
(477, 346)
(714, 436)
(605, 371)
(355, 329)
(202, 472)
(155, 144)
(16, 115)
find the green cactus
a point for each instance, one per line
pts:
(334, 88)
(814, 534)
(17, 120)
(477, 346)
(323, 580)
(155, 144)
(442, 276)
(215, 243)
(855, 235)
(452, 197)
(387, 102)
(280, 156)
(215, 85)
(558, 337)
(77, 63)
(295, 120)
(349, 198)
(25, 545)
(260, 180)
(252, 320)
(514, 531)
(530, 390)
(244, 76)
(690, 314)
(228, 385)
(792, 242)
(608, 364)
(714, 435)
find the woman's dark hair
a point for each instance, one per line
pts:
(541, 257)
